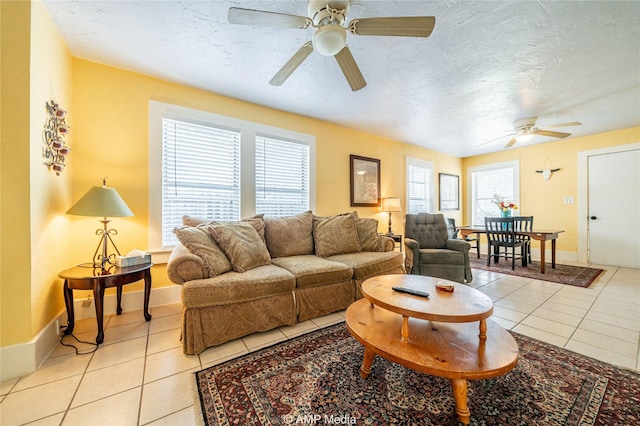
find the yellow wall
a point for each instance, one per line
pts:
(36, 68)
(111, 116)
(542, 198)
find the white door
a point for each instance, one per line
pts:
(614, 208)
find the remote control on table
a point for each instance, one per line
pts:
(411, 291)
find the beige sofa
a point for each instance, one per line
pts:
(258, 274)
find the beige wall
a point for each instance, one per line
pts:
(542, 198)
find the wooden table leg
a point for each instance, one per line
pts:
(460, 394)
(98, 298)
(405, 328)
(68, 302)
(542, 255)
(365, 369)
(147, 294)
(119, 298)
(483, 328)
(553, 253)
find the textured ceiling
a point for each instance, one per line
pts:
(486, 64)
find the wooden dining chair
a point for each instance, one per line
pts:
(502, 241)
(453, 234)
(524, 223)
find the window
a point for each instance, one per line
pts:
(419, 186)
(486, 181)
(282, 177)
(219, 168)
(200, 174)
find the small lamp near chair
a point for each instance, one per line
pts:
(390, 205)
(102, 202)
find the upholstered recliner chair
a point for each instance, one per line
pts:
(429, 251)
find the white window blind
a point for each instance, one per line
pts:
(485, 183)
(282, 177)
(419, 187)
(200, 174)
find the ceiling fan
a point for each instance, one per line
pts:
(526, 129)
(330, 36)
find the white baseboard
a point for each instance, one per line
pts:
(568, 257)
(24, 358)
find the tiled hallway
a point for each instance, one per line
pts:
(140, 376)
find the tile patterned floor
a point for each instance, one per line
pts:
(141, 377)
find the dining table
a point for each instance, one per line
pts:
(542, 235)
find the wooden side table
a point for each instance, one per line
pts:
(89, 278)
(396, 239)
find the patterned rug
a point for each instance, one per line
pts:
(315, 379)
(563, 274)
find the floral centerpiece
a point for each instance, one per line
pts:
(505, 206)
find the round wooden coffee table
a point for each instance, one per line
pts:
(444, 340)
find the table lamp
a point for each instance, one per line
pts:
(389, 205)
(102, 202)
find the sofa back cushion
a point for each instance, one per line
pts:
(335, 235)
(199, 242)
(242, 245)
(289, 236)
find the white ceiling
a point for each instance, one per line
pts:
(486, 64)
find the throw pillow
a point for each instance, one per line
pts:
(199, 242)
(242, 245)
(367, 229)
(257, 221)
(289, 236)
(335, 235)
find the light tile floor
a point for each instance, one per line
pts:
(140, 376)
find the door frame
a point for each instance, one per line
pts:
(583, 193)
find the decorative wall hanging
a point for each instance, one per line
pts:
(55, 129)
(365, 181)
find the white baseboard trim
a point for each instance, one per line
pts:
(568, 257)
(24, 358)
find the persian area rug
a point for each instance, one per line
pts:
(315, 379)
(563, 274)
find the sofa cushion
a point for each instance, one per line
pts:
(235, 287)
(442, 256)
(257, 221)
(199, 242)
(311, 270)
(242, 245)
(335, 235)
(289, 236)
(367, 229)
(369, 264)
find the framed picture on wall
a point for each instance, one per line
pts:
(365, 181)
(449, 192)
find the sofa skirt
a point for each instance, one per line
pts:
(322, 300)
(208, 326)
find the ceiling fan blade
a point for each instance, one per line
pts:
(553, 126)
(495, 139)
(550, 133)
(408, 26)
(291, 65)
(350, 69)
(511, 142)
(261, 18)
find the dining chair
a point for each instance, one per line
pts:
(524, 223)
(501, 238)
(453, 234)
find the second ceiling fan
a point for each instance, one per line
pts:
(330, 37)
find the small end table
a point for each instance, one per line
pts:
(90, 278)
(396, 238)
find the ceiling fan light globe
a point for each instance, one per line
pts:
(525, 137)
(330, 39)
